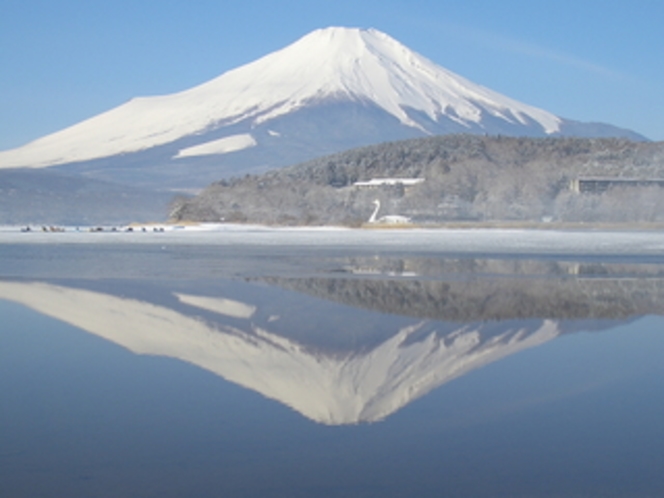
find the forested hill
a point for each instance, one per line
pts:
(466, 177)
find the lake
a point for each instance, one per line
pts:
(246, 361)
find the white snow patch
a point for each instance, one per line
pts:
(274, 133)
(221, 146)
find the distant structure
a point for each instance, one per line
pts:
(389, 182)
(597, 185)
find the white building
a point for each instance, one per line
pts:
(389, 182)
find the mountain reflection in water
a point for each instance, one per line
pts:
(357, 344)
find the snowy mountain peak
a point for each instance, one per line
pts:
(397, 92)
(370, 66)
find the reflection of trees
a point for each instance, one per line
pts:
(341, 364)
(504, 291)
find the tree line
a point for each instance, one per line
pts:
(467, 178)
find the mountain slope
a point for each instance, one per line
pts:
(333, 89)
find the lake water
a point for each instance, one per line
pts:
(332, 363)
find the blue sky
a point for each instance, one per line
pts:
(62, 61)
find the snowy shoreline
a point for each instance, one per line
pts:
(603, 242)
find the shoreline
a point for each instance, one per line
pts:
(197, 227)
(265, 241)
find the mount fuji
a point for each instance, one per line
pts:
(334, 89)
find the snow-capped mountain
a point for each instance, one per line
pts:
(333, 89)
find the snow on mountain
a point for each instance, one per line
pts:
(333, 389)
(334, 63)
(221, 146)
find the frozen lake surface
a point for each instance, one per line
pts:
(473, 241)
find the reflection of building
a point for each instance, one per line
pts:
(598, 185)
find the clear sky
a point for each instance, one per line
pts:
(62, 61)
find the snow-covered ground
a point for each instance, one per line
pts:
(443, 241)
